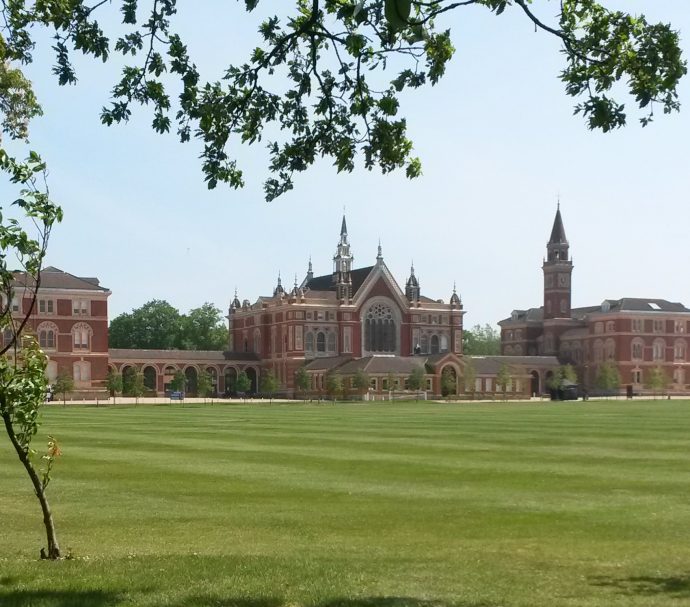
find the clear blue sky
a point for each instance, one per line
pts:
(498, 143)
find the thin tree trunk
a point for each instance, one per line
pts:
(53, 546)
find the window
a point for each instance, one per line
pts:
(379, 329)
(679, 349)
(15, 304)
(659, 350)
(81, 336)
(637, 325)
(424, 344)
(434, 344)
(610, 326)
(598, 351)
(347, 339)
(637, 349)
(599, 328)
(658, 326)
(291, 339)
(372, 383)
(679, 326)
(637, 377)
(444, 343)
(257, 341)
(298, 337)
(331, 342)
(678, 376)
(46, 306)
(320, 342)
(428, 385)
(610, 348)
(47, 335)
(80, 307)
(478, 384)
(82, 371)
(310, 342)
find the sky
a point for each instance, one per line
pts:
(499, 146)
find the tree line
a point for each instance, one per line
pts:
(159, 326)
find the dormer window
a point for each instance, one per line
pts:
(606, 306)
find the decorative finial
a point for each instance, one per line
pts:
(454, 289)
(380, 254)
(310, 264)
(295, 280)
(558, 201)
(279, 278)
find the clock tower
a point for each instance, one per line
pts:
(558, 269)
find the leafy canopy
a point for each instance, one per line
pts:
(327, 75)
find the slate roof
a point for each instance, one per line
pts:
(558, 231)
(384, 364)
(54, 278)
(490, 365)
(640, 304)
(325, 282)
(529, 315)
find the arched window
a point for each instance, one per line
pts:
(380, 334)
(659, 350)
(444, 343)
(424, 344)
(331, 342)
(637, 349)
(598, 351)
(81, 336)
(434, 344)
(679, 349)
(320, 341)
(309, 342)
(518, 350)
(82, 371)
(610, 348)
(47, 335)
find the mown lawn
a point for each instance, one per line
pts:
(357, 506)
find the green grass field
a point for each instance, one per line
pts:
(357, 506)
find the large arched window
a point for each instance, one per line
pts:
(679, 349)
(47, 335)
(637, 349)
(81, 336)
(380, 325)
(320, 341)
(82, 371)
(659, 350)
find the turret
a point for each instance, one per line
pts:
(412, 286)
(342, 266)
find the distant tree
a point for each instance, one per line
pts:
(416, 379)
(503, 378)
(156, 325)
(114, 383)
(138, 387)
(448, 382)
(390, 380)
(302, 381)
(334, 385)
(469, 376)
(269, 384)
(484, 340)
(608, 378)
(64, 383)
(243, 384)
(178, 382)
(204, 384)
(657, 380)
(564, 373)
(360, 382)
(203, 329)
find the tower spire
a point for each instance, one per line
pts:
(379, 255)
(342, 266)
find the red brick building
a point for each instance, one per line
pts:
(359, 319)
(70, 321)
(638, 335)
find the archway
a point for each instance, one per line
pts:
(150, 378)
(192, 378)
(213, 374)
(252, 375)
(230, 377)
(168, 377)
(128, 373)
(535, 388)
(449, 381)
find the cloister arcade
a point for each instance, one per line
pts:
(158, 374)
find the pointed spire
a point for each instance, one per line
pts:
(279, 287)
(235, 302)
(558, 231)
(379, 255)
(310, 270)
(343, 228)
(455, 298)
